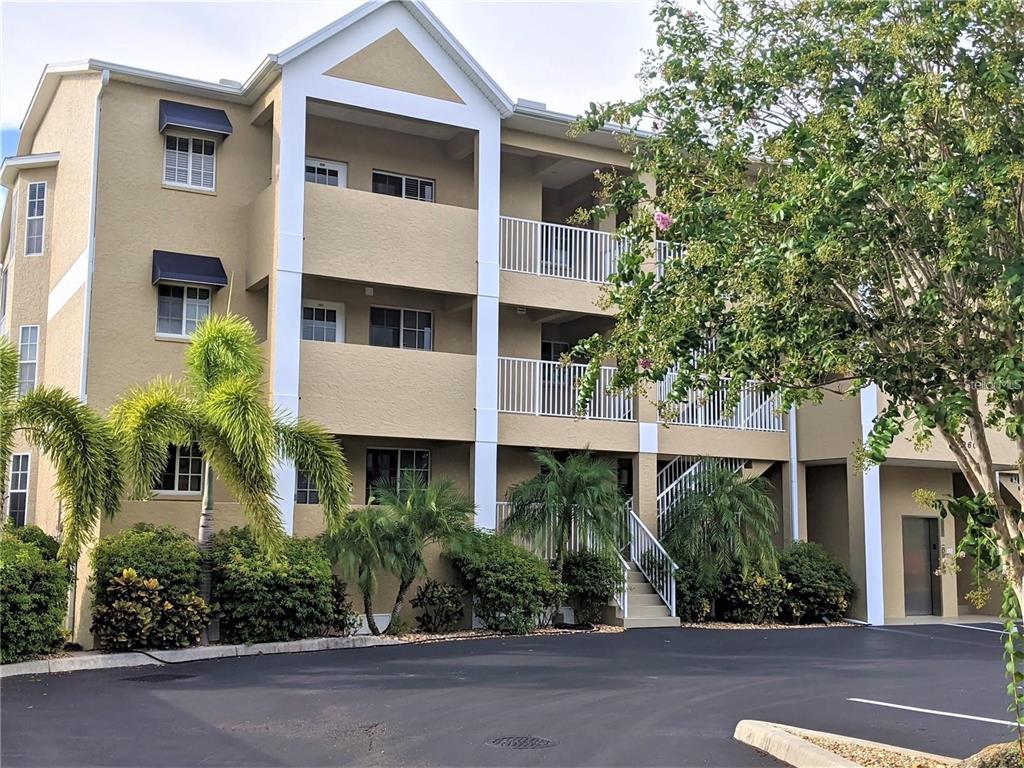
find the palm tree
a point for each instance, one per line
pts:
(75, 438)
(579, 494)
(222, 407)
(425, 513)
(366, 543)
(730, 523)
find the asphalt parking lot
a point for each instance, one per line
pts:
(640, 698)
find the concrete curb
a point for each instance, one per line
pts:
(94, 660)
(784, 743)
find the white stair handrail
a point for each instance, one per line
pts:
(691, 481)
(647, 554)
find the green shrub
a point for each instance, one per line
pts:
(751, 598)
(440, 606)
(37, 537)
(263, 601)
(163, 553)
(695, 593)
(138, 613)
(820, 589)
(33, 601)
(591, 581)
(345, 619)
(144, 583)
(512, 587)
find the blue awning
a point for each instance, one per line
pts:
(188, 268)
(174, 114)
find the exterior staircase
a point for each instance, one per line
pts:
(646, 608)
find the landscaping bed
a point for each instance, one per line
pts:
(872, 755)
(768, 625)
(480, 634)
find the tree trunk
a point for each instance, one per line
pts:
(403, 587)
(204, 540)
(368, 609)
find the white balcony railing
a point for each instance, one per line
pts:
(756, 410)
(546, 388)
(557, 250)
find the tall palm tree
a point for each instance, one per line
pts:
(729, 524)
(425, 513)
(222, 406)
(366, 543)
(579, 494)
(75, 438)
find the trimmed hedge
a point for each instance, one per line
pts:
(33, 601)
(591, 581)
(820, 589)
(513, 588)
(144, 584)
(264, 601)
(751, 598)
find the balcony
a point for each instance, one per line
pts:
(371, 238)
(357, 389)
(756, 410)
(528, 389)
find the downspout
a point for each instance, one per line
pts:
(794, 478)
(83, 391)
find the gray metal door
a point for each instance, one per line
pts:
(921, 587)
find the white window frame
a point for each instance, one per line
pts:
(23, 360)
(330, 165)
(12, 238)
(177, 474)
(308, 489)
(10, 484)
(4, 277)
(40, 217)
(190, 137)
(402, 328)
(184, 307)
(339, 309)
(407, 177)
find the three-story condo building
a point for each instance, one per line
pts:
(393, 225)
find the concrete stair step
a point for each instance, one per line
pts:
(644, 598)
(635, 577)
(641, 589)
(661, 621)
(649, 611)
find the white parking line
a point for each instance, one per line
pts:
(980, 629)
(934, 712)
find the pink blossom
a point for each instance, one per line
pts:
(645, 363)
(662, 220)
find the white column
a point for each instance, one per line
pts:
(485, 446)
(286, 291)
(874, 594)
(794, 480)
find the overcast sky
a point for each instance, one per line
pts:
(565, 54)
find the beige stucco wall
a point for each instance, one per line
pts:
(123, 348)
(829, 430)
(521, 188)
(362, 390)
(452, 315)
(528, 290)
(898, 486)
(379, 239)
(707, 441)
(366, 149)
(828, 509)
(567, 433)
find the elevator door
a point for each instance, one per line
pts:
(921, 587)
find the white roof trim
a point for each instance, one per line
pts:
(13, 165)
(434, 28)
(564, 119)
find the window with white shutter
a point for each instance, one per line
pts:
(190, 162)
(400, 185)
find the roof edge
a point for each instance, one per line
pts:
(11, 166)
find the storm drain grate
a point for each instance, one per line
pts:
(521, 742)
(158, 677)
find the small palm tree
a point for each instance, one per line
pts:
(425, 513)
(222, 407)
(579, 494)
(367, 543)
(730, 523)
(75, 438)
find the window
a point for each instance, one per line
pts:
(189, 162)
(35, 217)
(179, 309)
(327, 173)
(17, 499)
(184, 470)
(305, 489)
(323, 322)
(388, 466)
(28, 356)
(408, 328)
(553, 350)
(409, 187)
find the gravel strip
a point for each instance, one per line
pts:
(728, 625)
(871, 757)
(479, 634)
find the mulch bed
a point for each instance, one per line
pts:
(480, 634)
(730, 625)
